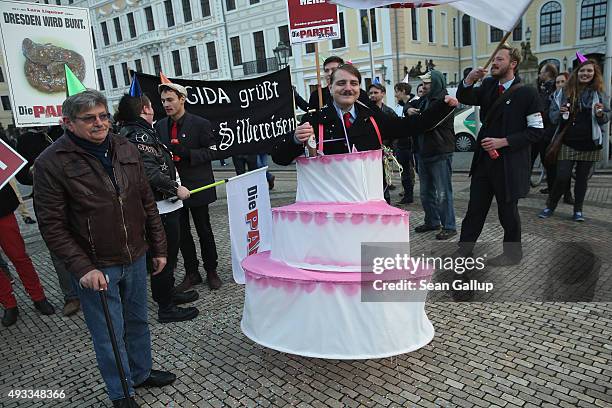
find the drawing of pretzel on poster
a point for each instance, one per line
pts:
(312, 21)
(37, 41)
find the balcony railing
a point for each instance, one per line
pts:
(260, 66)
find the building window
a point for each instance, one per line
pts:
(1, 75)
(340, 42)
(364, 26)
(260, 48)
(93, 37)
(156, 64)
(251, 2)
(126, 73)
(138, 64)
(193, 57)
(205, 4)
(230, 5)
(187, 10)
(113, 76)
(444, 25)
(310, 48)
(118, 33)
(58, 2)
(150, 20)
(455, 32)
(169, 13)
(105, 33)
(176, 60)
(212, 55)
(495, 35)
(131, 25)
(431, 28)
(283, 36)
(517, 34)
(414, 24)
(550, 23)
(466, 30)
(236, 51)
(100, 79)
(593, 19)
(6, 103)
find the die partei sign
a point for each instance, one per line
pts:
(312, 21)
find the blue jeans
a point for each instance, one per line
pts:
(262, 161)
(436, 190)
(127, 304)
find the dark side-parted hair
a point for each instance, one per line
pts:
(130, 107)
(350, 68)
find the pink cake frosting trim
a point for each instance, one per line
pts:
(365, 155)
(357, 213)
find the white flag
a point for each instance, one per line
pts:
(502, 14)
(250, 217)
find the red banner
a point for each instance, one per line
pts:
(10, 163)
(312, 21)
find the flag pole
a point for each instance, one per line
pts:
(312, 151)
(502, 42)
(608, 84)
(370, 38)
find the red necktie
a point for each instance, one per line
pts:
(347, 120)
(500, 89)
(174, 131)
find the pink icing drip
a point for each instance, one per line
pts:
(292, 216)
(320, 218)
(283, 215)
(328, 288)
(386, 219)
(305, 217)
(365, 155)
(340, 217)
(357, 219)
(406, 220)
(308, 287)
(350, 289)
(371, 218)
(396, 220)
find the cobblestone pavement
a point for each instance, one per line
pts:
(484, 354)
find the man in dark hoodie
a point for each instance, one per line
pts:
(434, 149)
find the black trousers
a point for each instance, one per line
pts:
(405, 158)
(487, 182)
(163, 283)
(244, 161)
(208, 248)
(563, 178)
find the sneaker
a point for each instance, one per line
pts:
(174, 313)
(445, 234)
(10, 316)
(546, 213)
(29, 220)
(578, 216)
(405, 201)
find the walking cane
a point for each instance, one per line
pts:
(111, 333)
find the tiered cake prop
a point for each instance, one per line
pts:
(304, 296)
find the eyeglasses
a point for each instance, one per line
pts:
(91, 119)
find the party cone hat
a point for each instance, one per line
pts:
(135, 89)
(164, 79)
(73, 85)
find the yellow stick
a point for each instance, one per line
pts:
(206, 187)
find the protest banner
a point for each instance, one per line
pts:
(37, 40)
(247, 116)
(312, 21)
(10, 163)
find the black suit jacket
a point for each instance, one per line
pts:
(361, 134)
(510, 119)
(195, 134)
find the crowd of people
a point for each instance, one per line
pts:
(114, 208)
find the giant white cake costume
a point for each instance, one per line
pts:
(303, 296)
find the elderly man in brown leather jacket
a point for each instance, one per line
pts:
(96, 211)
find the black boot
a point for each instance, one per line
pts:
(125, 403)
(181, 298)
(173, 313)
(10, 316)
(213, 280)
(158, 378)
(44, 307)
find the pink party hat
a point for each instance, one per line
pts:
(581, 57)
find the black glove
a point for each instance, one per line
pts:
(181, 151)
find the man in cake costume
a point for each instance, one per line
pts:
(347, 124)
(511, 122)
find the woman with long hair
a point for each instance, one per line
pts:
(581, 114)
(135, 118)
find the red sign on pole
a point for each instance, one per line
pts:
(312, 21)
(10, 163)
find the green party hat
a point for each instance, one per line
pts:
(73, 85)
